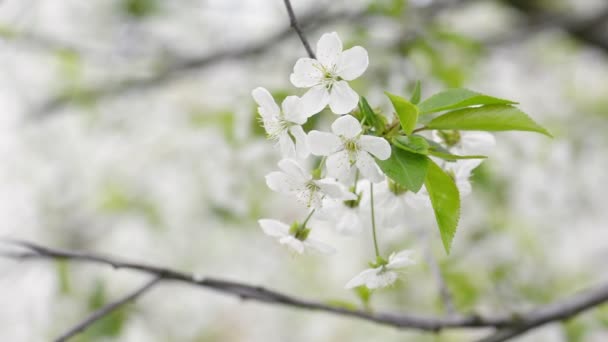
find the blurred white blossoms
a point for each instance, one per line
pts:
(326, 76)
(466, 142)
(394, 201)
(383, 275)
(294, 180)
(295, 237)
(283, 125)
(461, 172)
(347, 147)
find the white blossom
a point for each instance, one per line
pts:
(347, 148)
(281, 231)
(283, 124)
(326, 76)
(461, 173)
(394, 204)
(385, 275)
(294, 180)
(344, 218)
(466, 142)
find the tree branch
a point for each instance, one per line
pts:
(108, 309)
(508, 325)
(296, 27)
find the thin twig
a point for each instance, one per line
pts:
(293, 22)
(106, 310)
(508, 325)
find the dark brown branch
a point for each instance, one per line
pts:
(554, 312)
(296, 27)
(108, 309)
(507, 325)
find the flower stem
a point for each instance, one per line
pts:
(308, 218)
(371, 193)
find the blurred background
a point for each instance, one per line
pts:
(127, 127)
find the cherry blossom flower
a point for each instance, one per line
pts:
(383, 275)
(345, 218)
(466, 142)
(346, 148)
(461, 172)
(394, 203)
(296, 239)
(283, 124)
(326, 76)
(294, 180)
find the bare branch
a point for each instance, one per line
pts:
(108, 309)
(507, 325)
(296, 27)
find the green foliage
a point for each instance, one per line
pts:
(412, 143)
(487, 118)
(415, 99)
(63, 276)
(405, 168)
(452, 157)
(139, 8)
(406, 112)
(109, 326)
(457, 98)
(364, 294)
(116, 200)
(370, 118)
(445, 199)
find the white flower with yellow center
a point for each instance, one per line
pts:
(296, 239)
(383, 275)
(283, 124)
(326, 76)
(347, 148)
(292, 179)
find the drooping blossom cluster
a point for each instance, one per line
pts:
(340, 187)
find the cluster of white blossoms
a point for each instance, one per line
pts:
(340, 189)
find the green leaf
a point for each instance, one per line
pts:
(457, 98)
(406, 111)
(405, 168)
(412, 143)
(370, 117)
(415, 99)
(445, 199)
(452, 157)
(487, 118)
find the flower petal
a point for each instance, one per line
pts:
(293, 169)
(400, 260)
(274, 228)
(306, 73)
(302, 150)
(377, 146)
(267, 107)
(319, 246)
(349, 222)
(315, 99)
(293, 110)
(342, 98)
(287, 147)
(475, 143)
(382, 279)
(367, 165)
(346, 126)
(352, 63)
(293, 243)
(329, 48)
(362, 278)
(279, 182)
(323, 143)
(338, 165)
(334, 189)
